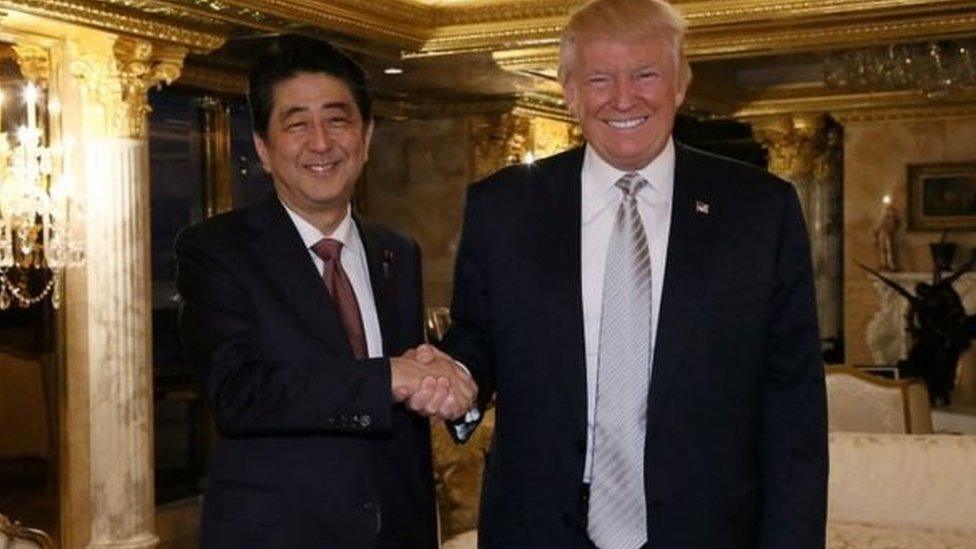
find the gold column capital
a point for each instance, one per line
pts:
(34, 62)
(115, 82)
(499, 140)
(794, 143)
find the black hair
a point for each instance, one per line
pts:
(290, 55)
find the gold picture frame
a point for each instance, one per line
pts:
(942, 196)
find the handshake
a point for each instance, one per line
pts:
(431, 383)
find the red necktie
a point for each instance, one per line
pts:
(342, 294)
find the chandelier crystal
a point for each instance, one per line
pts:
(936, 68)
(37, 204)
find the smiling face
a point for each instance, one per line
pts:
(625, 93)
(315, 146)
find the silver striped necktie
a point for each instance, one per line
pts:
(617, 515)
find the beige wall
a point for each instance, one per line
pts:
(876, 157)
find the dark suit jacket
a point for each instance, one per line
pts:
(736, 451)
(311, 451)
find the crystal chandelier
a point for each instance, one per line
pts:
(36, 208)
(936, 68)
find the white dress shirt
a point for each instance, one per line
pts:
(353, 259)
(599, 202)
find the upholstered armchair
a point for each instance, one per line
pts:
(15, 536)
(861, 402)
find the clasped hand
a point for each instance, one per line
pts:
(431, 383)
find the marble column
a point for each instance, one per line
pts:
(108, 322)
(805, 149)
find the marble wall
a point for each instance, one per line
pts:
(876, 157)
(415, 181)
(419, 170)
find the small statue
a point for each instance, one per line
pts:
(939, 328)
(884, 235)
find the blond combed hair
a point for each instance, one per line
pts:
(625, 20)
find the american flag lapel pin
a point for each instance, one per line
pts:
(701, 207)
(387, 261)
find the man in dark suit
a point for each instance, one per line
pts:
(645, 314)
(293, 313)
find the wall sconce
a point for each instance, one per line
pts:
(37, 204)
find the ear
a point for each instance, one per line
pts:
(262, 149)
(571, 95)
(367, 139)
(684, 80)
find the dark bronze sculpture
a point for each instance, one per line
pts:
(939, 328)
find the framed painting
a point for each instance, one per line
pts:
(942, 196)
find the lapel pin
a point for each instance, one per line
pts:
(387, 260)
(701, 207)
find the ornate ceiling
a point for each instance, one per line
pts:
(750, 56)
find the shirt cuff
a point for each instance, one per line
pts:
(474, 414)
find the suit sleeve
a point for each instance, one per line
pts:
(252, 393)
(794, 422)
(469, 338)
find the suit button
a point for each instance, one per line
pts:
(365, 420)
(369, 507)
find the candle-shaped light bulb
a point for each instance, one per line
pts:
(67, 148)
(30, 99)
(886, 200)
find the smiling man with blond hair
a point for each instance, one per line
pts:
(644, 313)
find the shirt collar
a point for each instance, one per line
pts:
(599, 177)
(344, 232)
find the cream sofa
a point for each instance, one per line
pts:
(897, 491)
(889, 491)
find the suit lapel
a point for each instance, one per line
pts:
(689, 244)
(380, 262)
(561, 259)
(281, 253)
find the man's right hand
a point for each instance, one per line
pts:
(432, 384)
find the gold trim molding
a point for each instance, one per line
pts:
(96, 15)
(527, 105)
(848, 105)
(213, 79)
(522, 32)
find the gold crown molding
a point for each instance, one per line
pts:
(705, 45)
(744, 42)
(712, 13)
(535, 105)
(408, 108)
(89, 14)
(393, 21)
(859, 106)
(115, 86)
(527, 58)
(942, 112)
(169, 12)
(543, 106)
(213, 79)
(497, 11)
(205, 12)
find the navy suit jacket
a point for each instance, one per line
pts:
(736, 446)
(311, 451)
